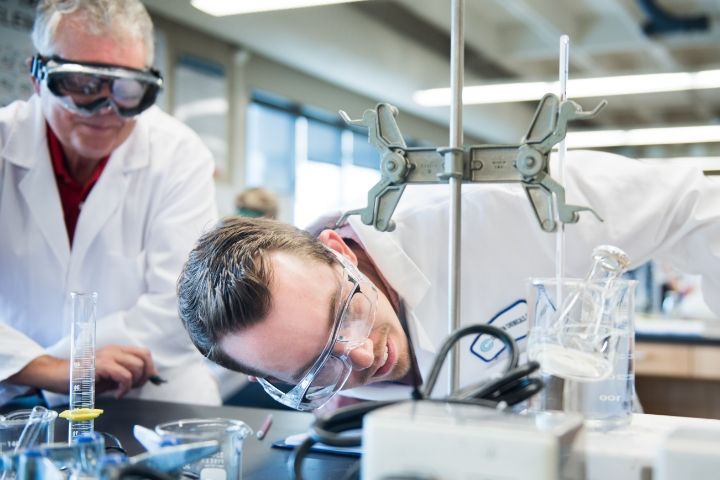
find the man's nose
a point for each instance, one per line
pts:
(362, 357)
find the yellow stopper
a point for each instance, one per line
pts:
(81, 414)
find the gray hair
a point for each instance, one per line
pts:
(117, 18)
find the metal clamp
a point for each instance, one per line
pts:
(526, 163)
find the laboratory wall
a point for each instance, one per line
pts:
(246, 72)
(16, 17)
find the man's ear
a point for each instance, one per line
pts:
(36, 85)
(332, 240)
(35, 81)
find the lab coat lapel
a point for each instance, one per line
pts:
(101, 203)
(109, 192)
(397, 268)
(39, 190)
(406, 278)
(38, 186)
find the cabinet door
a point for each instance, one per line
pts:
(659, 359)
(706, 362)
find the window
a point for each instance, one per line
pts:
(271, 149)
(314, 162)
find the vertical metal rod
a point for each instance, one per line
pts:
(455, 181)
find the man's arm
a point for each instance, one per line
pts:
(118, 368)
(16, 352)
(44, 372)
(652, 212)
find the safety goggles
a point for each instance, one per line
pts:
(353, 321)
(88, 88)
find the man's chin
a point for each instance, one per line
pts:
(396, 373)
(95, 150)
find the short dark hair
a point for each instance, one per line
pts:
(225, 284)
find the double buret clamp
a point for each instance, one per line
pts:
(526, 163)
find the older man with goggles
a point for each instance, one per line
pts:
(100, 191)
(88, 88)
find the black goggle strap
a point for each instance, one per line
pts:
(41, 67)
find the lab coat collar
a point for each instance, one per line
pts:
(398, 269)
(135, 151)
(27, 141)
(27, 148)
(104, 198)
(403, 275)
(411, 284)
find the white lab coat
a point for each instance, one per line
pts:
(649, 211)
(140, 220)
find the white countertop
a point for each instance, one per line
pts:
(686, 327)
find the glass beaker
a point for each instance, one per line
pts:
(225, 464)
(11, 427)
(584, 344)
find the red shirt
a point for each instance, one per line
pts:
(72, 193)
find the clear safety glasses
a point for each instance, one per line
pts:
(353, 321)
(87, 88)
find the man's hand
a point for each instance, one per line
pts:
(117, 367)
(122, 367)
